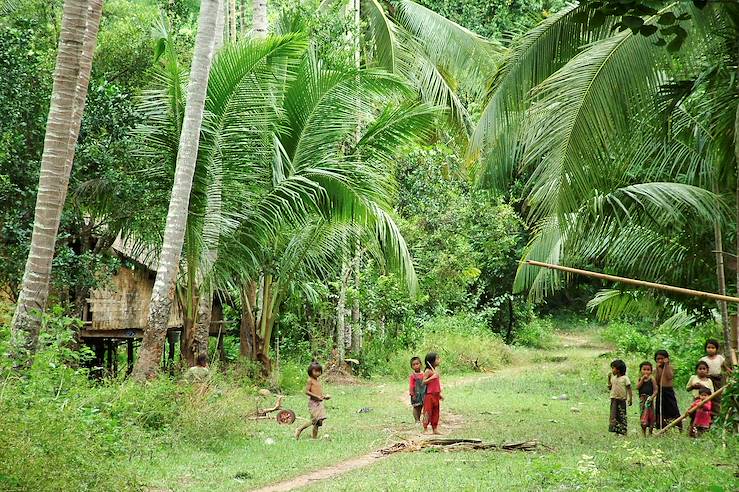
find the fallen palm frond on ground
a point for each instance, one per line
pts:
(454, 444)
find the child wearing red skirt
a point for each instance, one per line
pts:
(432, 400)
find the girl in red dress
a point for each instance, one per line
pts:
(432, 400)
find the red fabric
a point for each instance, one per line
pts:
(431, 407)
(434, 386)
(412, 381)
(702, 415)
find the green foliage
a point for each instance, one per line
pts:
(537, 333)
(684, 344)
(495, 19)
(56, 418)
(463, 341)
(634, 16)
(105, 190)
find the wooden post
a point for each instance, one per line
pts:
(109, 365)
(689, 411)
(172, 343)
(129, 356)
(114, 354)
(638, 283)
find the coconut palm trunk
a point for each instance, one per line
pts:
(80, 21)
(220, 24)
(232, 20)
(247, 331)
(356, 341)
(341, 325)
(174, 232)
(242, 17)
(736, 159)
(259, 18)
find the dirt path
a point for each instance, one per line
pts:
(558, 355)
(324, 473)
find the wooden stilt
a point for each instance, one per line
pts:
(221, 349)
(109, 364)
(172, 341)
(114, 353)
(129, 356)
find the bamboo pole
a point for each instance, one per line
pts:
(691, 410)
(639, 283)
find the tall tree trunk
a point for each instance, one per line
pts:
(259, 18)
(242, 17)
(248, 327)
(341, 326)
(80, 21)
(174, 232)
(356, 342)
(721, 277)
(736, 258)
(266, 322)
(202, 322)
(232, 20)
(220, 25)
(211, 239)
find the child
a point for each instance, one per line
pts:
(700, 379)
(665, 406)
(315, 400)
(417, 389)
(620, 386)
(701, 420)
(647, 388)
(432, 400)
(716, 362)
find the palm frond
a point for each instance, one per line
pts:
(580, 111)
(383, 33)
(529, 61)
(468, 57)
(611, 304)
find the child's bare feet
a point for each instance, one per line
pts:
(436, 432)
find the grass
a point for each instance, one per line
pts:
(194, 442)
(514, 403)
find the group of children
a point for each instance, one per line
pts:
(657, 401)
(425, 393)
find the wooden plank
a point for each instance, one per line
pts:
(124, 333)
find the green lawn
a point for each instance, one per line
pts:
(512, 404)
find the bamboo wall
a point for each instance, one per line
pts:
(125, 302)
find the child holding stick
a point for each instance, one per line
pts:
(701, 418)
(417, 390)
(314, 390)
(666, 403)
(620, 386)
(432, 400)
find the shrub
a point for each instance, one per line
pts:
(685, 344)
(463, 341)
(537, 333)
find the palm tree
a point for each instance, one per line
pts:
(581, 115)
(80, 22)
(162, 294)
(276, 154)
(436, 56)
(259, 18)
